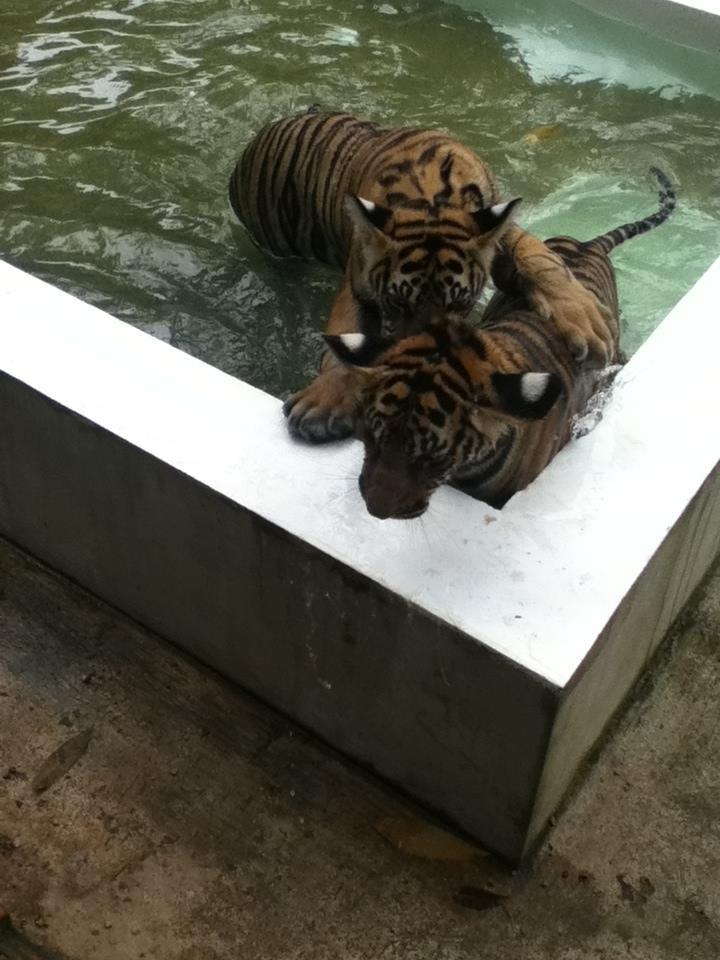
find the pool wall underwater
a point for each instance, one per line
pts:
(473, 659)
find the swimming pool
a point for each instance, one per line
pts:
(119, 128)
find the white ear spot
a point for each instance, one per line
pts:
(498, 209)
(533, 386)
(368, 204)
(353, 341)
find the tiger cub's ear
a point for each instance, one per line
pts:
(496, 218)
(357, 349)
(526, 395)
(364, 213)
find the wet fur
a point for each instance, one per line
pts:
(483, 408)
(414, 220)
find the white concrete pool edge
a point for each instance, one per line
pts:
(624, 9)
(473, 658)
(536, 582)
(145, 474)
(692, 23)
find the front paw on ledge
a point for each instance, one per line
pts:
(327, 409)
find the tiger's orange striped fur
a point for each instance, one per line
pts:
(483, 408)
(414, 220)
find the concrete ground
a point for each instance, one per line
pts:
(196, 824)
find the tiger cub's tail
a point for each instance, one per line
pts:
(613, 238)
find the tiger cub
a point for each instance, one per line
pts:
(483, 408)
(414, 220)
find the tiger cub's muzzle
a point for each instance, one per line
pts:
(393, 490)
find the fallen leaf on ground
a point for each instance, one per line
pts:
(61, 761)
(422, 839)
(479, 898)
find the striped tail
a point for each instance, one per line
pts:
(608, 241)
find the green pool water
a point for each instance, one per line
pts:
(120, 122)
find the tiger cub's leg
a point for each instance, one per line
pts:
(553, 292)
(327, 409)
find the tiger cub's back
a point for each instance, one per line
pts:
(285, 186)
(290, 184)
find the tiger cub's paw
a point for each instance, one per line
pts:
(584, 322)
(327, 409)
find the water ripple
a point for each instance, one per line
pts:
(119, 128)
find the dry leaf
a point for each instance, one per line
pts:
(422, 839)
(61, 761)
(479, 898)
(544, 132)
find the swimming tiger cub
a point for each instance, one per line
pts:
(483, 408)
(414, 220)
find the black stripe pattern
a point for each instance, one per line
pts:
(458, 405)
(290, 189)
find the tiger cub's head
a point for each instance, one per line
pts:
(414, 261)
(435, 405)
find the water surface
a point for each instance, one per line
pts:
(120, 123)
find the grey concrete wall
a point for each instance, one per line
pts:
(630, 639)
(455, 725)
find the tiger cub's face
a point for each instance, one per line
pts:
(408, 264)
(433, 407)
